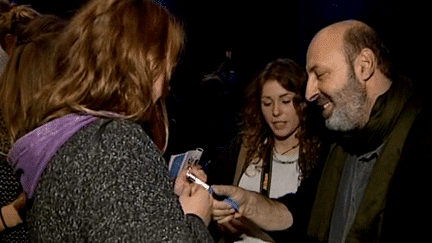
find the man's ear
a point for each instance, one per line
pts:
(365, 64)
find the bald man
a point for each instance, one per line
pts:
(372, 188)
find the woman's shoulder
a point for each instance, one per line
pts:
(113, 131)
(108, 140)
(107, 137)
(118, 126)
(100, 153)
(117, 175)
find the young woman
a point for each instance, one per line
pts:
(274, 155)
(13, 20)
(21, 79)
(89, 170)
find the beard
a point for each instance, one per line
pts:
(349, 107)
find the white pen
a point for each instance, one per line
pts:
(196, 180)
(227, 200)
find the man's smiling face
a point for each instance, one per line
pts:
(333, 85)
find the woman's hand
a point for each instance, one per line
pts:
(182, 179)
(195, 199)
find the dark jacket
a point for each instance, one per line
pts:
(408, 207)
(396, 204)
(10, 188)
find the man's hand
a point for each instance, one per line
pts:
(243, 226)
(267, 213)
(223, 212)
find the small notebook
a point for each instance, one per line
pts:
(179, 161)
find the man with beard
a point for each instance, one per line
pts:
(373, 185)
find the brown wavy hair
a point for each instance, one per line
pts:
(257, 135)
(14, 19)
(24, 75)
(108, 59)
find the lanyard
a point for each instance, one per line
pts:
(266, 174)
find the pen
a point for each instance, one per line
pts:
(227, 200)
(196, 180)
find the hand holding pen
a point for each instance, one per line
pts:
(193, 198)
(227, 200)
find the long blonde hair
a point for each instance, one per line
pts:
(108, 59)
(29, 68)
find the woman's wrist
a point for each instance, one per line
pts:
(10, 217)
(197, 216)
(3, 225)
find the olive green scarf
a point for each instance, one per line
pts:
(390, 122)
(384, 116)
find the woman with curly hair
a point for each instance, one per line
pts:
(274, 155)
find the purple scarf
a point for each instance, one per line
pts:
(31, 153)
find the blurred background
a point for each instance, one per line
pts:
(228, 41)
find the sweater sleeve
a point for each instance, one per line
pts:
(115, 188)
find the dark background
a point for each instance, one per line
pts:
(256, 33)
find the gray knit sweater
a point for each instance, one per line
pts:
(110, 185)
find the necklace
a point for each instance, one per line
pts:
(293, 147)
(279, 160)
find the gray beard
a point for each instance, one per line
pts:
(349, 107)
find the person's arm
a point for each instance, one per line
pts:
(10, 214)
(267, 213)
(118, 190)
(194, 198)
(154, 208)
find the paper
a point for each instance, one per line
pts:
(179, 161)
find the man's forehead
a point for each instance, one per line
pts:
(329, 40)
(323, 48)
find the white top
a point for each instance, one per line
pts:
(284, 179)
(284, 176)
